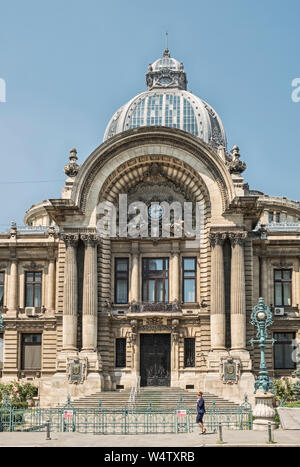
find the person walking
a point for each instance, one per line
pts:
(200, 412)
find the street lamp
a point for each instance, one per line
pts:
(261, 317)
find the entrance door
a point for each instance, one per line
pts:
(155, 359)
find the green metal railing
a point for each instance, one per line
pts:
(102, 420)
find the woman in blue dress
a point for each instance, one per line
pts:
(200, 412)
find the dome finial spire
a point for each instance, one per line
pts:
(167, 52)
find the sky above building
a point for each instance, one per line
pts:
(68, 66)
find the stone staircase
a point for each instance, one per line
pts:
(160, 398)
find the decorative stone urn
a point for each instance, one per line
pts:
(263, 411)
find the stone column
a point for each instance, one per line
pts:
(217, 313)
(264, 279)
(12, 296)
(135, 273)
(90, 293)
(175, 287)
(70, 317)
(51, 285)
(238, 297)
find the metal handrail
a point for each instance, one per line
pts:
(133, 393)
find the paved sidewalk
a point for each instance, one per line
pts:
(230, 437)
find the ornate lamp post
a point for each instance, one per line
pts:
(261, 317)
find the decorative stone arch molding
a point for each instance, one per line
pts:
(155, 170)
(183, 158)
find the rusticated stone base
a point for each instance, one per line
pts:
(55, 391)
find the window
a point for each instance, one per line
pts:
(121, 280)
(155, 280)
(2, 276)
(283, 350)
(33, 289)
(271, 216)
(189, 352)
(283, 287)
(120, 353)
(31, 351)
(277, 216)
(189, 280)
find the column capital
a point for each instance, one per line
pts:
(135, 248)
(70, 239)
(90, 239)
(217, 238)
(237, 238)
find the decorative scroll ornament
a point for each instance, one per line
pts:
(132, 336)
(155, 324)
(33, 266)
(175, 333)
(72, 168)
(235, 165)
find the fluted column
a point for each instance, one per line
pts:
(264, 279)
(175, 289)
(51, 285)
(90, 293)
(237, 294)
(12, 296)
(70, 317)
(217, 318)
(135, 279)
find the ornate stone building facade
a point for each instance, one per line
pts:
(85, 312)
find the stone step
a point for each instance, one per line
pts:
(160, 398)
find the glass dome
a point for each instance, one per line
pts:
(168, 103)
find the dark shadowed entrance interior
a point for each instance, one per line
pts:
(155, 359)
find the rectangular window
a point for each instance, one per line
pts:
(121, 280)
(33, 289)
(155, 279)
(189, 280)
(31, 351)
(277, 217)
(271, 217)
(120, 353)
(283, 287)
(283, 351)
(189, 352)
(2, 276)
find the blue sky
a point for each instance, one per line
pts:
(69, 65)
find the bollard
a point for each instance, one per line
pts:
(220, 440)
(270, 441)
(48, 438)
